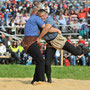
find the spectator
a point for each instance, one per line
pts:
(88, 16)
(42, 4)
(2, 48)
(14, 49)
(21, 49)
(26, 59)
(29, 60)
(84, 32)
(61, 19)
(12, 29)
(80, 23)
(26, 17)
(2, 24)
(2, 52)
(81, 40)
(6, 16)
(36, 5)
(57, 57)
(77, 9)
(60, 5)
(4, 39)
(64, 6)
(2, 20)
(73, 57)
(82, 14)
(9, 41)
(20, 30)
(73, 15)
(69, 39)
(46, 8)
(13, 13)
(86, 9)
(82, 60)
(20, 19)
(67, 15)
(54, 10)
(74, 25)
(28, 6)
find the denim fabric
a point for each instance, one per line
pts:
(57, 60)
(73, 59)
(83, 60)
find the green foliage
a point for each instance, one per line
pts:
(22, 71)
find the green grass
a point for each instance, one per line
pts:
(22, 71)
(71, 72)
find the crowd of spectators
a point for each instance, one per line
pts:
(65, 12)
(13, 51)
(72, 13)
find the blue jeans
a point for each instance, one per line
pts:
(83, 60)
(57, 60)
(73, 60)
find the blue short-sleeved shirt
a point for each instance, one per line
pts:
(50, 36)
(32, 26)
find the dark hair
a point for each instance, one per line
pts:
(40, 11)
(14, 45)
(80, 20)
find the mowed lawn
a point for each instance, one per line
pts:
(22, 71)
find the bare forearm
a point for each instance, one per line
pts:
(45, 30)
(54, 30)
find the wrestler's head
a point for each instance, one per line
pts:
(43, 14)
(34, 11)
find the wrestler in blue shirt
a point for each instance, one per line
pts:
(31, 27)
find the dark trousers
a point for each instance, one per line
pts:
(72, 49)
(49, 54)
(15, 56)
(34, 51)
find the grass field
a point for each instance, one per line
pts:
(22, 71)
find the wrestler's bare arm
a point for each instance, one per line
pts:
(46, 29)
(54, 30)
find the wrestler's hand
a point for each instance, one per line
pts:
(59, 32)
(38, 40)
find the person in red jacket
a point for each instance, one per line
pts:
(81, 40)
(86, 9)
(82, 14)
(69, 39)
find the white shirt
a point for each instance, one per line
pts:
(2, 49)
(57, 53)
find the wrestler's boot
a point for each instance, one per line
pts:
(32, 82)
(49, 80)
